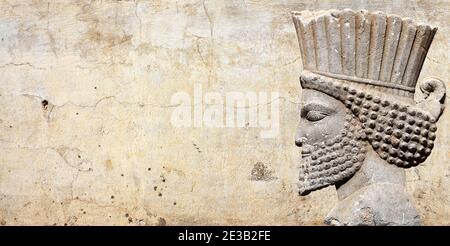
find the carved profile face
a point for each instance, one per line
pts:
(339, 122)
(322, 117)
(331, 150)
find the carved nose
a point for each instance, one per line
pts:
(299, 141)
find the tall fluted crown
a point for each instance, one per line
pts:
(365, 47)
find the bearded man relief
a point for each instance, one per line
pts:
(360, 127)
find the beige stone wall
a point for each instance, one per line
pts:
(103, 151)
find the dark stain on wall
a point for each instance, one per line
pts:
(261, 172)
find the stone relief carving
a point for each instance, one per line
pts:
(360, 127)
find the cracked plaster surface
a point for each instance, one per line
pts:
(85, 134)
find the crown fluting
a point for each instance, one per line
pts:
(367, 47)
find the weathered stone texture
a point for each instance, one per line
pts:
(85, 134)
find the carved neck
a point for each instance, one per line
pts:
(373, 170)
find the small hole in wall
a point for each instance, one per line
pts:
(112, 197)
(149, 169)
(10, 126)
(76, 113)
(44, 104)
(127, 215)
(154, 188)
(95, 87)
(174, 203)
(160, 194)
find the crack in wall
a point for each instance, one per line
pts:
(141, 104)
(19, 64)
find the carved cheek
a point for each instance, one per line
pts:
(330, 127)
(313, 131)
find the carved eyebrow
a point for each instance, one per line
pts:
(316, 107)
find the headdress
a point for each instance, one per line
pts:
(369, 48)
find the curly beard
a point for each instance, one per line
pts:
(334, 160)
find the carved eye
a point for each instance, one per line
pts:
(315, 115)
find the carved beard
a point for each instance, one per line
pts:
(333, 161)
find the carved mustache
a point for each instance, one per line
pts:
(307, 149)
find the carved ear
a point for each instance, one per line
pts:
(433, 96)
